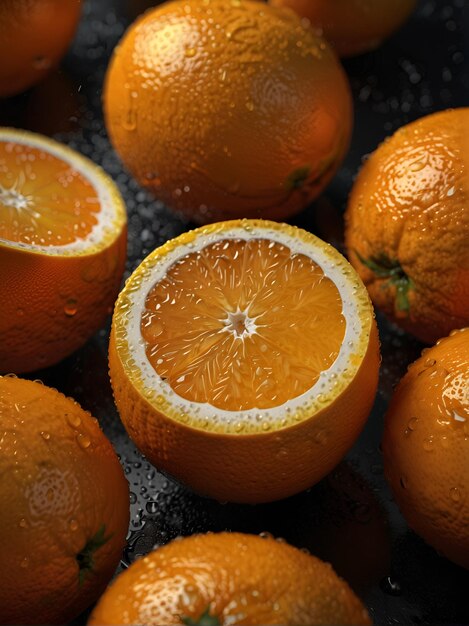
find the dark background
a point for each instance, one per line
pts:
(349, 518)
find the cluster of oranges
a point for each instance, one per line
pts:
(244, 355)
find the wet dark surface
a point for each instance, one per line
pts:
(350, 518)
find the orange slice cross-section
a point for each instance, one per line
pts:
(62, 250)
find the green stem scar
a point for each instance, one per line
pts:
(85, 558)
(384, 267)
(204, 620)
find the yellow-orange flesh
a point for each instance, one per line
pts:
(43, 200)
(243, 324)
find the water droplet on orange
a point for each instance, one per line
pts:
(70, 307)
(83, 441)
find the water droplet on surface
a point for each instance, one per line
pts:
(190, 52)
(83, 441)
(73, 420)
(391, 586)
(429, 362)
(23, 523)
(45, 435)
(132, 497)
(73, 525)
(412, 423)
(70, 307)
(455, 494)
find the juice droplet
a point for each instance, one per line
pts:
(83, 441)
(455, 494)
(70, 307)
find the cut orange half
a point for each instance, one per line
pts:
(62, 249)
(244, 359)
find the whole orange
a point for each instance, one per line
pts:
(227, 109)
(64, 506)
(34, 36)
(426, 446)
(229, 578)
(407, 230)
(353, 26)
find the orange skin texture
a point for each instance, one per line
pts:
(353, 26)
(34, 36)
(242, 579)
(217, 108)
(260, 467)
(34, 290)
(426, 450)
(410, 202)
(61, 482)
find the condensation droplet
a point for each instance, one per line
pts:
(455, 494)
(45, 435)
(70, 307)
(73, 420)
(83, 441)
(73, 525)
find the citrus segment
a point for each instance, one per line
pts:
(62, 249)
(229, 578)
(243, 324)
(43, 199)
(251, 345)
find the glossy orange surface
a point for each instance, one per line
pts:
(62, 486)
(227, 109)
(426, 446)
(407, 229)
(353, 26)
(34, 36)
(239, 579)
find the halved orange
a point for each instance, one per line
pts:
(62, 249)
(244, 359)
